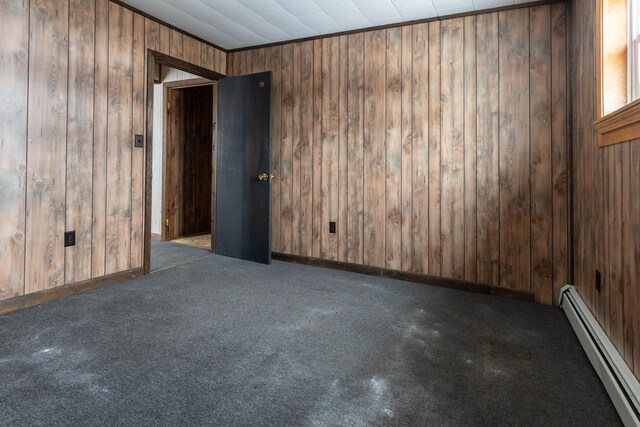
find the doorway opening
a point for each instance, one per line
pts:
(241, 226)
(188, 165)
(180, 176)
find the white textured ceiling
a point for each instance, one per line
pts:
(234, 24)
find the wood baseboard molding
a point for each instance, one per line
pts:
(41, 297)
(156, 236)
(424, 279)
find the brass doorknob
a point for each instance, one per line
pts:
(265, 177)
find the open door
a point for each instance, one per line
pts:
(243, 178)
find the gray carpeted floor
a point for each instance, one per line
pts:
(168, 254)
(226, 342)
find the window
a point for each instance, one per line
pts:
(618, 71)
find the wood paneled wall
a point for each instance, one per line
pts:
(189, 161)
(606, 202)
(438, 148)
(72, 97)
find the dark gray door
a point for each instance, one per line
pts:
(243, 179)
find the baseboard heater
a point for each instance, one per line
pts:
(623, 387)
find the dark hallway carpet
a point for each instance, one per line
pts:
(225, 342)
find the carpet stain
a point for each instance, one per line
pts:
(365, 403)
(310, 319)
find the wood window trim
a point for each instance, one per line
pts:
(617, 121)
(620, 126)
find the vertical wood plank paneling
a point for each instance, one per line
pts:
(258, 60)
(237, 63)
(470, 149)
(393, 127)
(188, 165)
(176, 44)
(559, 108)
(434, 176)
(204, 101)
(594, 209)
(331, 120)
(191, 50)
(616, 284)
(239, 60)
(374, 148)
(634, 253)
(100, 128)
(152, 41)
(452, 152)
(137, 154)
(273, 58)
(233, 61)
(343, 162)
(355, 117)
(46, 149)
(384, 138)
(306, 148)
(329, 141)
(246, 64)
(83, 74)
(207, 57)
(515, 232)
(541, 153)
(174, 164)
(488, 148)
(230, 62)
(608, 200)
(406, 173)
(286, 149)
(629, 278)
(165, 40)
(118, 224)
(421, 77)
(151, 34)
(79, 138)
(221, 60)
(14, 72)
(192, 153)
(297, 149)
(317, 146)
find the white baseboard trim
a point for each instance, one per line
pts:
(621, 384)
